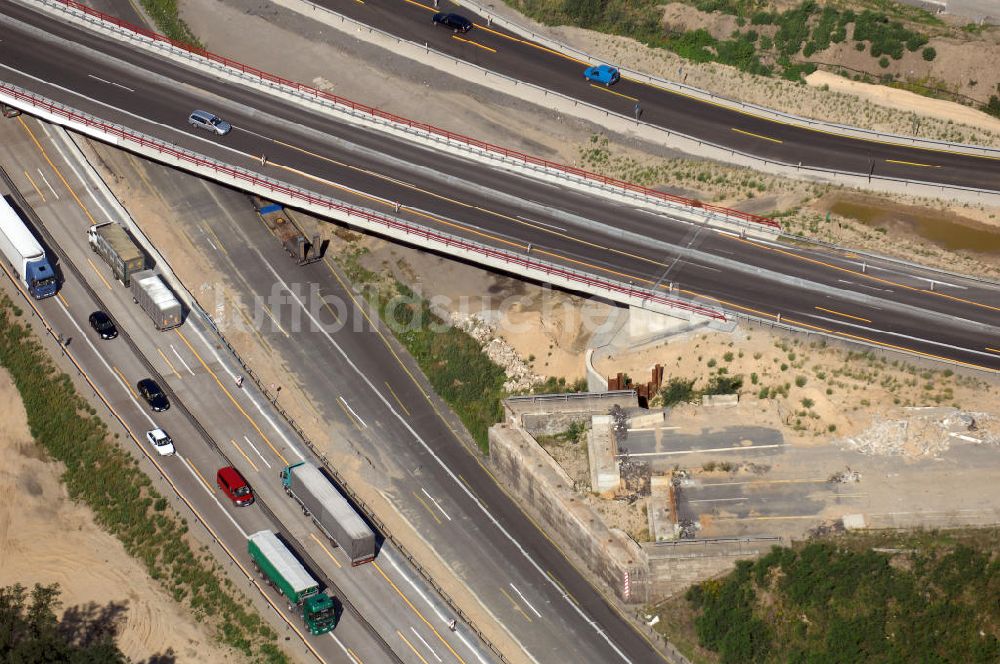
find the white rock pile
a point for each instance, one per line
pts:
(520, 377)
(925, 435)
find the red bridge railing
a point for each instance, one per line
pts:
(423, 126)
(293, 193)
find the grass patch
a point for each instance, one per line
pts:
(168, 21)
(858, 597)
(108, 480)
(452, 360)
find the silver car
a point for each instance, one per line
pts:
(212, 123)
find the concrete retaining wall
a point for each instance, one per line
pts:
(546, 493)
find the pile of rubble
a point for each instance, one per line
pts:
(925, 434)
(520, 377)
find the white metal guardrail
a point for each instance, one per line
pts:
(524, 264)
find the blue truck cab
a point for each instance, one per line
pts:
(40, 278)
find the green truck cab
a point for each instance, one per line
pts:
(276, 565)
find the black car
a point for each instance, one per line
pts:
(103, 325)
(154, 396)
(456, 22)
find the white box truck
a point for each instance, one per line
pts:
(25, 255)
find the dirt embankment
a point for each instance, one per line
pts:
(47, 538)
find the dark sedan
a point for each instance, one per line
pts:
(103, 325)
(154, 396)
(456, 22)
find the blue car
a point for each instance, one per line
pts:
(605, 74)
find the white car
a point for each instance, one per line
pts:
(160, 441)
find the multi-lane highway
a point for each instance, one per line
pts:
(387, 611)
(499, 50)
(889, 304)
(522, 579)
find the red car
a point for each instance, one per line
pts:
(234, 486)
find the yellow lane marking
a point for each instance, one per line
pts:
(525, 42)
(58, 172)
(217, 240)
(325, 550)
(561, 586)
(836, 333)
(333, 313)
(65, 303)
(749, 133)
(37, 190)
(351, 417)
(143, 449)
(993, 350)
(98, 272)
(393, 393)
(270, 314)
(231, 398)
(516, 245)
(863, 275)
(169, 363)
(416, 611)
(818, 480)
(350, 652)
(604, 88)
(128, 385)
(910, 163)
(411, 647)
(469, 41)
(198, 472)
(422, 6)
(839, 313)
(249, 460)
(517, 607)
(427, 507)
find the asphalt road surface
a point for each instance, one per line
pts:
(501, 51)
(864, 299)
(387, 612)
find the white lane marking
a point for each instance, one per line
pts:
(348, 407)
(426, 645)
(212, 243)
(900, 335)
(541, 223)
(123, 87)
(716, 449)
(717, 500)
(525, 600)
(257, 451)
(128, 390)
(444, 467)
(869, 287)
(656, 429)
(729, 233)
(343, 647)
(199, 482)
(80, 178)
(181, 359)
(461, 636)
(98, 78)
(250, 395)
(962, 436)
(436, 503)
(48, 184)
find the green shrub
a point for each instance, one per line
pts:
(168, 21)
(883, 62)
(124, 503)
(800, 381)
(678, 390)
(929, 53)
(723, 385)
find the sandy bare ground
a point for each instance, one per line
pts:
(47, 538)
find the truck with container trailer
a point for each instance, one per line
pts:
(119, 251)
(282, 226)
(280, 568)
(330, 511)
(150, 293)
(25, 255)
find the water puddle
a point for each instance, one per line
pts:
(946, 230)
